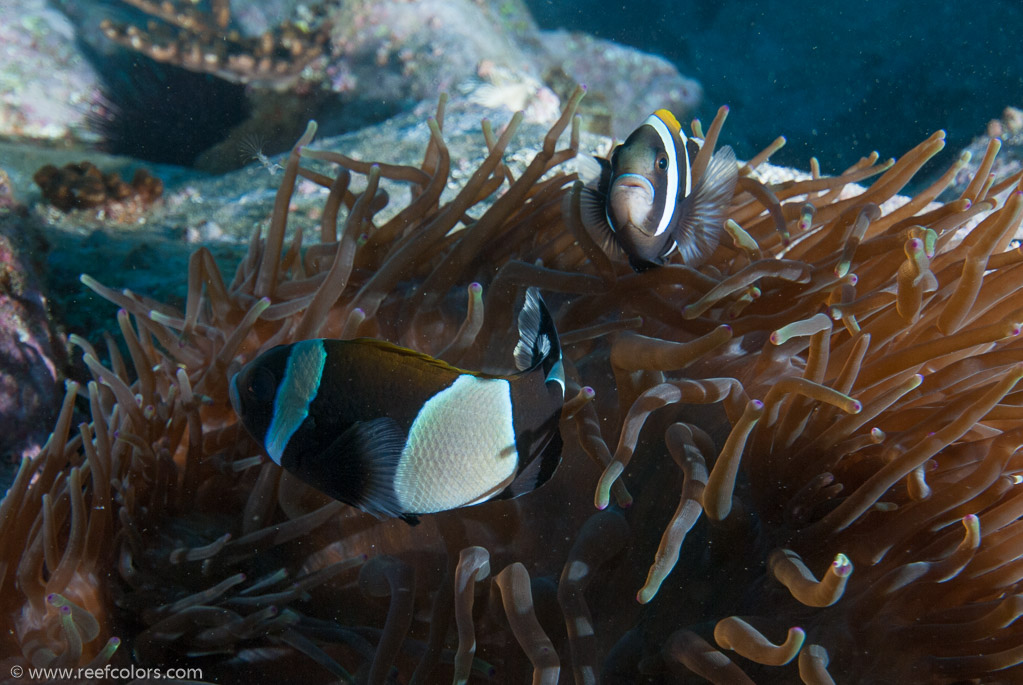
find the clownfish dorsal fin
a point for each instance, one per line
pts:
(693, 146)
(363, 460)
(699, 230)
(669, 120)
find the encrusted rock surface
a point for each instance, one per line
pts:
(625, 85)
(46, 84)
(32, 354)
(1008, 131)
(385, 56)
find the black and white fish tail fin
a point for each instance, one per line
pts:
(539, 346)
(698, 233)
(535, 338)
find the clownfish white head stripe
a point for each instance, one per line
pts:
(643, 203)
(673, 170)
(398, 433)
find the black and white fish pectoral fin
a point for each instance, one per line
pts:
(538, 471)
(698, 231)
(359, 466)
(593, 213)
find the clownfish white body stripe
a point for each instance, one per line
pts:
(398, 433)
(643, 204)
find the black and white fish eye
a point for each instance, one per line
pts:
(262, 385)
(662, 162)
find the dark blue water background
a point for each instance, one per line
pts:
(838, 79)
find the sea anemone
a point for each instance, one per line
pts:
(835, 389)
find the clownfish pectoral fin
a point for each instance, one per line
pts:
(593, 214)
(359, 466)
(698, 231)
(591, 169)
(538, 471)
(595, 173)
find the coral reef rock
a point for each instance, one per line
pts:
(47, 84)
(32, 356)
(1006, 134)
(623, 84)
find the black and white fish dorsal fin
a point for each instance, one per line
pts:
(366, 456)
(538, 344)
(699, 230)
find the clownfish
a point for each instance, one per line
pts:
(644, 203)
(398, 433)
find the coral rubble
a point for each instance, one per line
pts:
(84, 186)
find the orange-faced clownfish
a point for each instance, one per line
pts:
(395, 432)
(644, 203)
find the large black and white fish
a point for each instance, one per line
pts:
(395, 432)
(643, 203)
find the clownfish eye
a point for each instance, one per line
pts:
(262, 385)
(662, 163)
